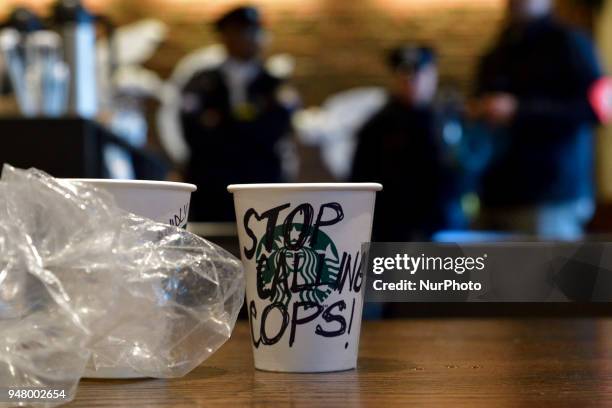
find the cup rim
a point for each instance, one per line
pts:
(233, 188)
(151, 184)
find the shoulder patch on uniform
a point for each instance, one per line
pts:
(600, 97)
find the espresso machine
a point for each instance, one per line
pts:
(52, 63)
(78, 29)
(54, 68)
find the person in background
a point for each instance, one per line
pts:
(233, 118)
(398, 147)
(534, 86)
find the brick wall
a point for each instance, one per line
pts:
(337, 43)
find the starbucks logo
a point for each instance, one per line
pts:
(309, 271)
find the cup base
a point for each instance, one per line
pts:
(279, 368)
(339, 370)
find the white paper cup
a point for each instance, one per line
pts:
(162, 201)
(301, 249)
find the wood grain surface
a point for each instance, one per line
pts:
(420, 362)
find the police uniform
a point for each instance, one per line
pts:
(398, 147)
(233, 118)
(545, 166)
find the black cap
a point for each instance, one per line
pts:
(71, 11)
(245, 15)
(24, 20)
(410, 57)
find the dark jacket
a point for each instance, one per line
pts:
(547, 153)
(228, 146)
(397, 147)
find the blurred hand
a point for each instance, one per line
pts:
(497, 109)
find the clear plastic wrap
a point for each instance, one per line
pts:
(83, 282)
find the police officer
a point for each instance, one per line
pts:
(534, 86)
(398, 147)
(233, 119)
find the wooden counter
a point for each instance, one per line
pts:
(420, 362)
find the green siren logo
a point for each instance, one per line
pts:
(299, 267)
(303, 267)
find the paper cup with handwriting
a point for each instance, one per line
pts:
(301, 248)
(162, 201)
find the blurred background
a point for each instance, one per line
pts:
(486, 119)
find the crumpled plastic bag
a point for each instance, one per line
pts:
(84, 281)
